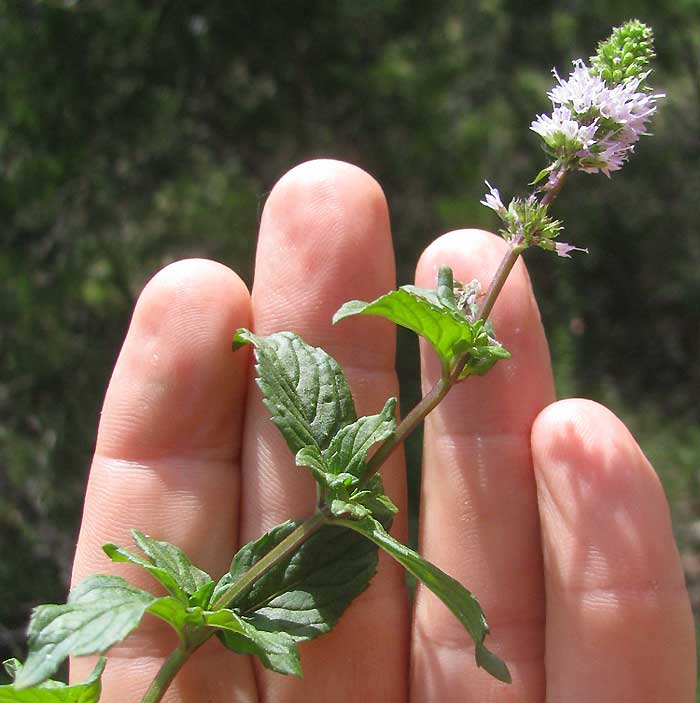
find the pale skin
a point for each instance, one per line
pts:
(548, 511)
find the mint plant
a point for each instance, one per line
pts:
(294, 582)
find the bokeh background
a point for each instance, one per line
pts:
(135, 133)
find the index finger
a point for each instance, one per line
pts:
(166, 463)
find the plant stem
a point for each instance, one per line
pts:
(499, 279)
(419, 412)
(407, 425)
(285, 548)
(552, 193)
(279, 552)
(166, 674)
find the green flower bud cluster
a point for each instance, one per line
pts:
(526, 220)
(625, 54)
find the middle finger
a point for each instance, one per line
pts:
(324, 239)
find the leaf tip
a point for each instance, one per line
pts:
(242, 337)
(445, 278)
(110, 550)
(494, 665)
(12, 667)
(352, 307)
(97, 671)
(390, 406)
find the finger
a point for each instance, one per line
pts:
(619, 624)
(478, 504)
(325, 239)
(167, 462)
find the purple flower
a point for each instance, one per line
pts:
(561, 129)
(564, 249)
(581, 91)
(594, 126)
(492, 199)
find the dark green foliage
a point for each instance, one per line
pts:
(135, 133)
(457, 598)
(309, 400)
(276, 650)
(170, 566)
(305, 596)
(303, 387)
(307, 593)
(306, 392)
(52, 691)
(436, 316)
(101, 611)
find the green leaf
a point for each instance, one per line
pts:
(172, 559)
(12, 666)
(342, 508)
(169, 565)
(376, 501)
(303, 388)
(446, 288)
(418, 310)
(435, 316)
(305, 594)
(119, 554)
(483, 356)
(177, 614)
(101, 611)
(54, 691)
(276, 650)
(544, 172)
(457, 598)
(314, 460)
(202, 597)
(347, 451)
(342, 464)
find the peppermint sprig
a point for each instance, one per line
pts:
(295, 581)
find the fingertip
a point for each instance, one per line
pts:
(312, 181)
(342, 202)
(585, 439)
(171, 292)
(325, 238)
(175, 378)
(457, 246)
(585, 415)
(596, 488)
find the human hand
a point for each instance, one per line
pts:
(547, 511)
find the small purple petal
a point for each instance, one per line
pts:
(564, 249)
(492, 199)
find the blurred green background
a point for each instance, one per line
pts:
(136, 133)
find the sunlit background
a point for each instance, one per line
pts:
(134, 133)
